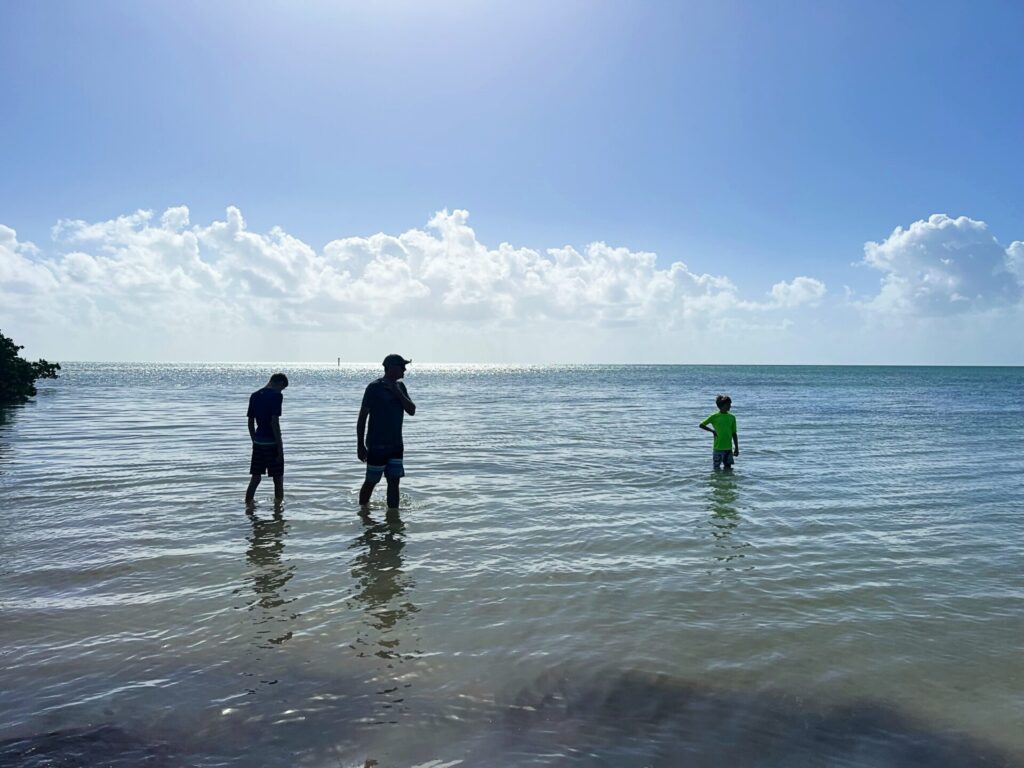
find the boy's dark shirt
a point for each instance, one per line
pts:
(264, 404)
(386, 414)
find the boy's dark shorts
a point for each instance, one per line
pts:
(266, 460)
(384, 463)
(721, 457)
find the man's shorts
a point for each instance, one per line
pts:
(266, 460)
(722, 457)
(384, 463)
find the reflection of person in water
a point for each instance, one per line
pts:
(269, 574)
(377, 570)
(725, 518)
(381, 588)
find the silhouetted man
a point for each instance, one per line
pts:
(385, 402)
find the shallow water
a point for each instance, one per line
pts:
(568, 582)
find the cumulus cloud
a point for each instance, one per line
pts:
(802, 290)
(945, 266)
(141, 269)
(158, 285)
(1015, 260)
(20, 272)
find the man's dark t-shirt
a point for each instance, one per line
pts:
(386, 413)
(263, 404)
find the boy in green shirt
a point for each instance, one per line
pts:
(724, 430)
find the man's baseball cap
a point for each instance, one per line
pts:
(391, 360)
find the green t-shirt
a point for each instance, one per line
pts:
(725, 428)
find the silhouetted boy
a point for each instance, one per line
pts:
(723, 427)
(265, 430)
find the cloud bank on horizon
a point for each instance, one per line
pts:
(945, 266)
(140, 286)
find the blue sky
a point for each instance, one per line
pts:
(755, 141)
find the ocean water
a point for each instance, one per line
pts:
(567, 582)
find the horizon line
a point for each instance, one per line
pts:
(427, 364)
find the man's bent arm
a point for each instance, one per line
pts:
(407, 403)
(398, 389)
(252, 429)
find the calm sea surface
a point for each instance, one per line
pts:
(568, 582)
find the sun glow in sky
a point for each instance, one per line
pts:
(513, 182)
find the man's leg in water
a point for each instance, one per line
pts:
(278, 487)
(393, 493)
(250, 492)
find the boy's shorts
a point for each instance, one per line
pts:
(266, 460)
(384, 463)
(722, 457)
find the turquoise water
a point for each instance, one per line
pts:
(567, 583)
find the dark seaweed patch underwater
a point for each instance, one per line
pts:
(626, 720)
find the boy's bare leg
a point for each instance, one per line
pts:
(365, 492)
(250, 492)
(279, 488)
(393, 493)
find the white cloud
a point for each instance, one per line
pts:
(944, 266)
(20, 271)
(803, 290)
(144, 270)
(1015, 260)
(159, 286)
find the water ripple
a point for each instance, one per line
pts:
(568, 581)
